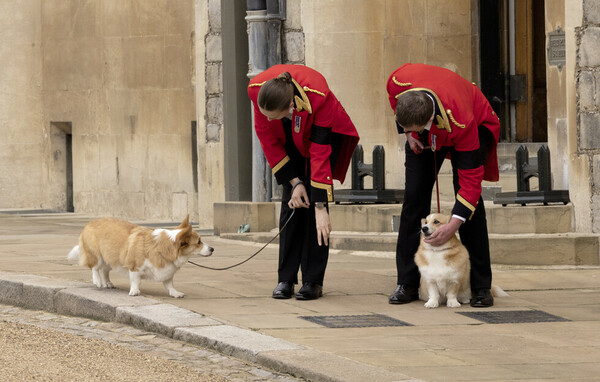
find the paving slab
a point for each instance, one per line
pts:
(232, 311)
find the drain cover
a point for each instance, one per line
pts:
(513, 316)
(357, 321)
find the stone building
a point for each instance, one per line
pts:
(138, 108)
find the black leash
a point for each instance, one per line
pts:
(256, 253)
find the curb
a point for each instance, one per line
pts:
(85, 300)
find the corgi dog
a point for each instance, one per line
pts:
(154, 254)
(445, 270)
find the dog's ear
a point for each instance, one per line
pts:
(185, 222)
(182, 238)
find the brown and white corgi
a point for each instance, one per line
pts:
(154, 254)
(445, 270)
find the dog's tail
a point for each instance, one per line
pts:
(498, 292)
(74, 254)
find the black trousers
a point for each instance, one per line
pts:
(298, 246)
(420, 178)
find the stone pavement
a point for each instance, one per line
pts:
(548, 329)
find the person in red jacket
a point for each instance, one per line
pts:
(443, 115)
(308, 140)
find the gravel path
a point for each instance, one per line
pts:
(39, 346)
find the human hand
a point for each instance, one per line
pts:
(323, 226)
(444, 233)
(415, 144)
(299, 198)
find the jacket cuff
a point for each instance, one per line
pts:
(284, 171)
(463, 208)
(321, 192)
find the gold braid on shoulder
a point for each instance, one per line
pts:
(401, 83)
(449, 112)
(307, 89)
(257, 84)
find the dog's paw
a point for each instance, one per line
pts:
(176, 294)
(453, 303)
(432, 304)
(134, 292)
(109, 285)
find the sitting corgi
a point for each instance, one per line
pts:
(445, 270)
(154, 254)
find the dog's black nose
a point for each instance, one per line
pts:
(425, 229)
(211, 249)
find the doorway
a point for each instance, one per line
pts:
(61, 168)
(512, 46)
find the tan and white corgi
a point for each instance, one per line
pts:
(154, 254)
(445, 270)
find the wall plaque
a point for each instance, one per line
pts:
(556, 48)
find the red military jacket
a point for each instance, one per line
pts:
(314, 106)
(460, 108)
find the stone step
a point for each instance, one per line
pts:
(514, 249)
(513, 219)
(502, 220)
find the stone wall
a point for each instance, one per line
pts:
(21, 112)
(119, 73)
(588, 101)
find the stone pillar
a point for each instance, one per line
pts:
(257, 63)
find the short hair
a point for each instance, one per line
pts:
(276, 94)
(414, 108)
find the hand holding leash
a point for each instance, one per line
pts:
(299, 197)
(415, 144)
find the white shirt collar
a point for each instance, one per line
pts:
(428, 126)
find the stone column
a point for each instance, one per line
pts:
(257, 63)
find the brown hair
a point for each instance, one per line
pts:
(414, 108)
(277, 93)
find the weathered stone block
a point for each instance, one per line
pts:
(596, 173)
(588, 50)
(214, 110)
(590, 130)
(214, 79)
(294, 46)
(591, 11)
(587, 90)
(213, 132)
(214, 15)
(596, 211)
(214, 51)
(293, 15)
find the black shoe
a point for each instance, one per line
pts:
(309, 291)
(404, 294)
(283, 290)
(482, 298)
